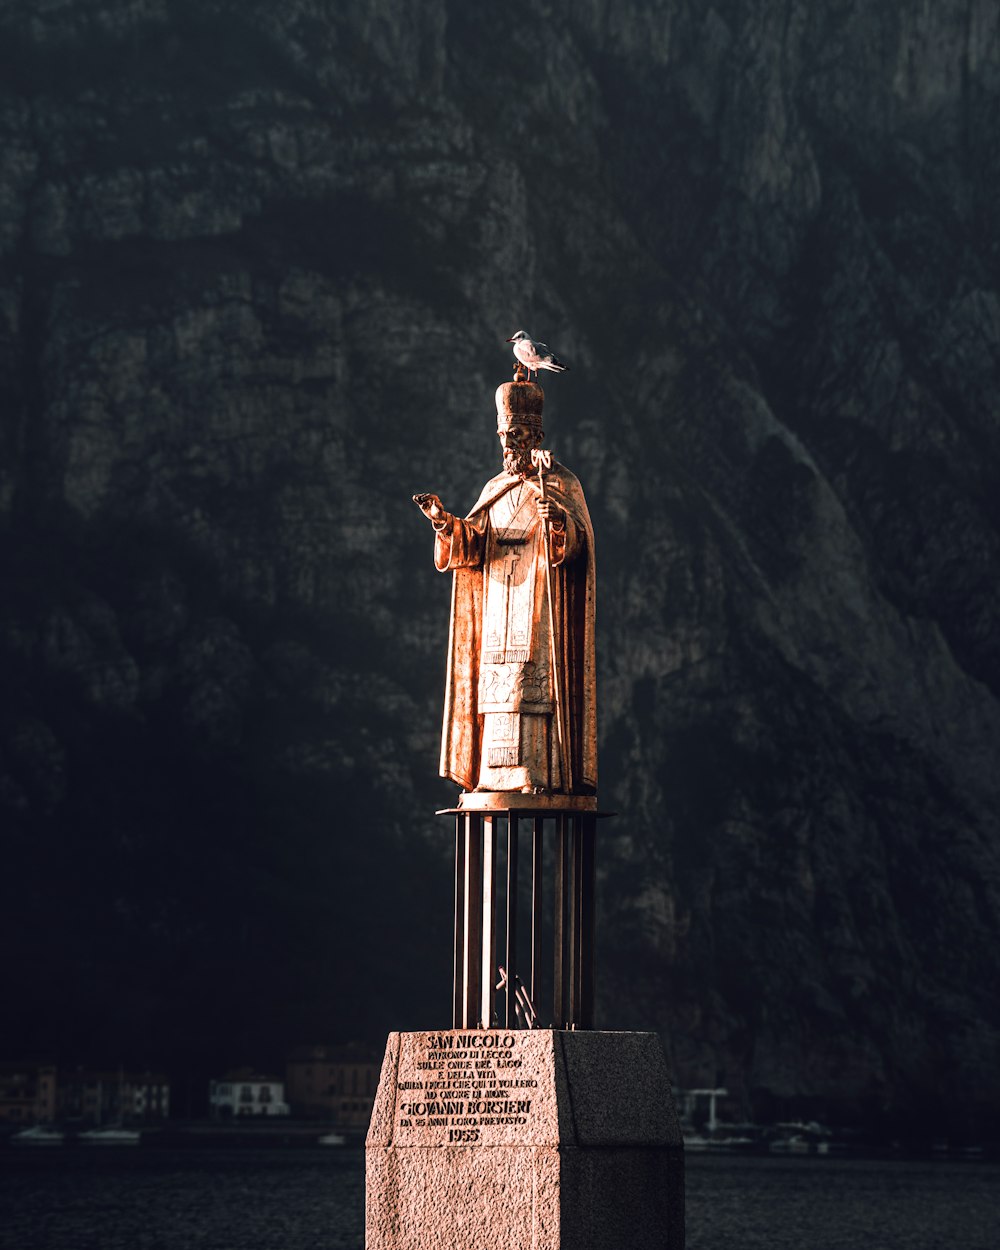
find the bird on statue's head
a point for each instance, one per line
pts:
(533, 355)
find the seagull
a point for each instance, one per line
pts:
(534, 355)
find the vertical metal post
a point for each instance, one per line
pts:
(560, 986)
(472, 921)
(510, 930)
(458, 977)
(488, 968)
(575, 943)
(588, 914)
(537, 850)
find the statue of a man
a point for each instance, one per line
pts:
(520, 705)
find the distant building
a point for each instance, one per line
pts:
(108, 1097)
(27, 1093)
(334, 1083)
(244, 1092)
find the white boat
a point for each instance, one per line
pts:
(40, 1135)
(109, 1137)
(722, 1142)
(796, 1138)
(794, 1145)
(114, 1133)
(331, 1139)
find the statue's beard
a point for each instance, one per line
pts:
(517, 460)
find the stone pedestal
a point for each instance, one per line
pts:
(524, 1140)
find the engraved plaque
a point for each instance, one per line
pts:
(475, 1088)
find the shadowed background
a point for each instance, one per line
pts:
(257, 264)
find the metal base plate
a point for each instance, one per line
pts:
(515, 801)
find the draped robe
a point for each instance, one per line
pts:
(499, 685)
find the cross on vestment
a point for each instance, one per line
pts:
(515, 697)
(509, 621)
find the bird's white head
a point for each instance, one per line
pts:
(519, 336)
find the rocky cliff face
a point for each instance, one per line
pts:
(257, 264)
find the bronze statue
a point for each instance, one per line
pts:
(520, 705)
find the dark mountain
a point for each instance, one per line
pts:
(257, 263)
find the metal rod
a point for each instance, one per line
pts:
(560, 929)
(488, 969)
(510, 929)
(589, 922)
(473, 920)
(537, 901)
(458, 976)
(575, 943)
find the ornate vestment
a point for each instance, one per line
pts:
(499, 702)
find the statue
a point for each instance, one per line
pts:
(520, 704)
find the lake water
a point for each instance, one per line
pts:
(108, 1199)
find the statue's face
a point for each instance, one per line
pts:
(517, 442)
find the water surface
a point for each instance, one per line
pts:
(119, 1199)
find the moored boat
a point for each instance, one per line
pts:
(39, 1135)
(109, 1137)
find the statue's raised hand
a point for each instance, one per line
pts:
(431, 507)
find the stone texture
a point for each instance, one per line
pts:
(382, 1123)
(610, 1103)
(596, 1164)
(454, 1198)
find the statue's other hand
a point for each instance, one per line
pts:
(430, 506)
(549, 511)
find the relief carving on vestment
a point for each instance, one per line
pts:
(515, 688)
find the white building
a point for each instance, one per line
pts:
(244, 1093)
